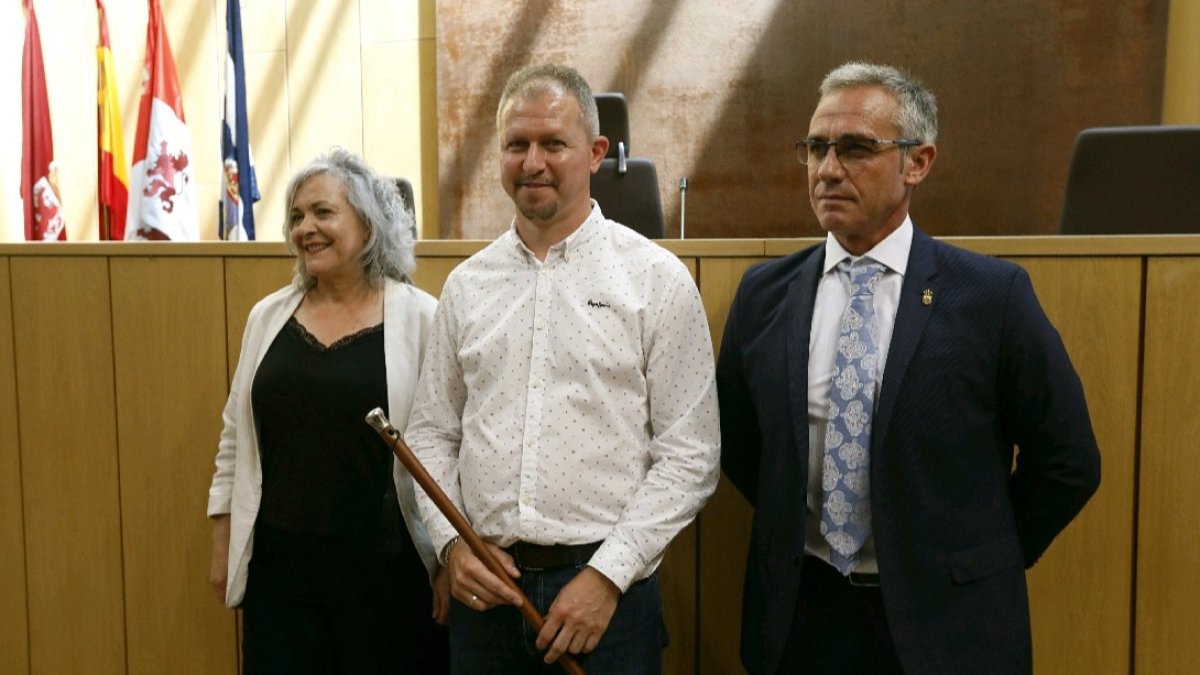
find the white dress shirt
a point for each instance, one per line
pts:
(571, 400)
(833, 295)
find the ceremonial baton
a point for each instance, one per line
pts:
(379, 422)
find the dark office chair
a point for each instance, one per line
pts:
(406, 193)
(614, 121)
(1133, 180)
(625, 187)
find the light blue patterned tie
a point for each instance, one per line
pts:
(846, 477)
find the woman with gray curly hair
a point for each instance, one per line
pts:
(343, 574)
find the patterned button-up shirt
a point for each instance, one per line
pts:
(571, 400)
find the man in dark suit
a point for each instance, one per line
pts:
(872, 390)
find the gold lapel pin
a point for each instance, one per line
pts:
(927, 297)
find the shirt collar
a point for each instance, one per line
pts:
(582, 234)
(892, 251)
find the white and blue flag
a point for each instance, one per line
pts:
(241, 187)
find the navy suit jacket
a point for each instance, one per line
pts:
(973, 372)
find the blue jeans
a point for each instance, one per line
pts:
(500, 642)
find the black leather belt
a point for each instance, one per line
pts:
(860, 579)
(538, 557)
(863, 579)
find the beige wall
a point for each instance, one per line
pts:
(362, 73)
(718, 92)
(319, 73)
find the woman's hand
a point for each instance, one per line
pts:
(218, 574)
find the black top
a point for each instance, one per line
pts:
(325, 471)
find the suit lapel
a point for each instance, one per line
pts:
(802, 292)
(912, 315)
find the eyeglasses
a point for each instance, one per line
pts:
(850, 150)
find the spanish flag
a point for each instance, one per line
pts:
(113, 174)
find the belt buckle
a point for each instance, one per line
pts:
(863, 580)
(523, 555)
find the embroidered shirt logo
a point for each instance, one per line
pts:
(597, 303)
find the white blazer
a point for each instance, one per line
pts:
(237, 484)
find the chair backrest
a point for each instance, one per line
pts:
(630, 198)
(1133, 180)
(614, 120)
(406, 193)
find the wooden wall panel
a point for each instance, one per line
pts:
(725, 522)
(169, 325)
(428, 189)
(724, 541)
(248, 280)
(677, 579)
(1181, 97)
(1096, 306)
(431, 273)
(1168, 562)
(14, 619)
(719, 279)
(105, 600)
(64, 362)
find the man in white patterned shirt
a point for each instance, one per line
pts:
(567, 406)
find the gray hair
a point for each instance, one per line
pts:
(376, 200)
(544, 79)
(916, 109)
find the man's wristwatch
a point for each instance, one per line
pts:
(444, 556)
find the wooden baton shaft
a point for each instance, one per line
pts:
(395, 441)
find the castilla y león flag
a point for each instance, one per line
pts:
(162, 199)
(39, 190)
(112, 172)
